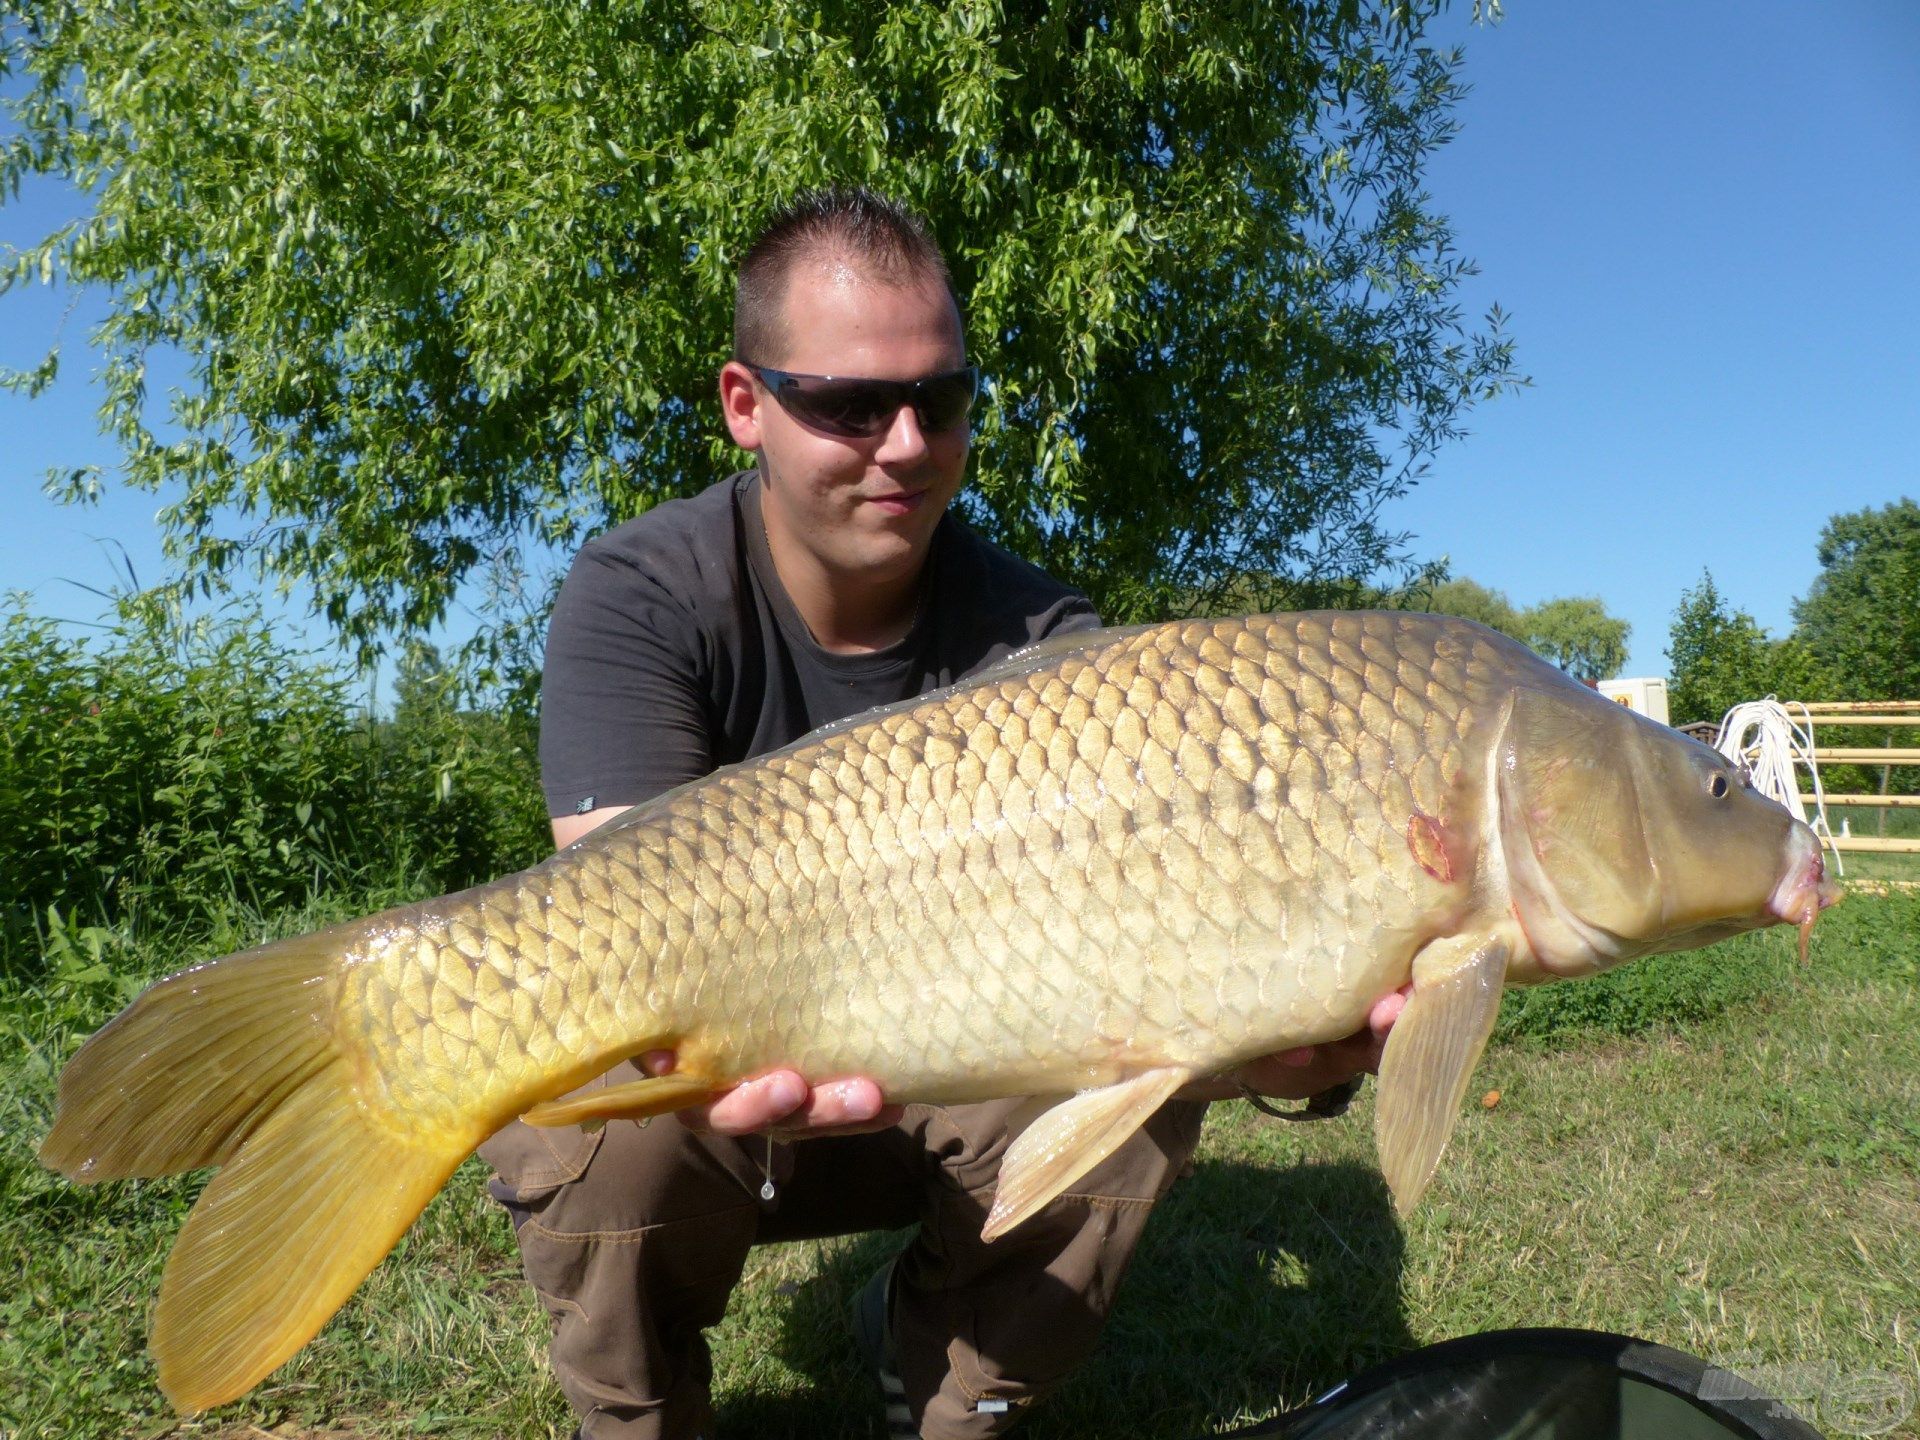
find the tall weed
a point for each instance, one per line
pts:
(173, 771)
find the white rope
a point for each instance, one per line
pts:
(1762, 738)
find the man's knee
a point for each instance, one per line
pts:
(633, 1239)
(984, 1331)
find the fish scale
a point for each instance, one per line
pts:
(1108, 866)
(1189, 841)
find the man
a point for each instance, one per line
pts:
(826, 581)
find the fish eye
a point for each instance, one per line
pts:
(1717, 787)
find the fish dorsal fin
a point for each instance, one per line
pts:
(1040, 655)
(1025, 661)
(1043, 653)
(1430, 1056)
(1070, 1139)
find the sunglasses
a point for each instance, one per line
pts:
(841, 406)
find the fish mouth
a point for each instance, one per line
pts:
(1805, 890)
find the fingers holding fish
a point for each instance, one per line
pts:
(1385, 1011)
(781, 1103)
(849, 1106)
(1308, 1070)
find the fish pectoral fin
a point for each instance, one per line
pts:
(1430, 1055)
(1070, 1139)
(635, 1100)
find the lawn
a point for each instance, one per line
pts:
(1718, 1151)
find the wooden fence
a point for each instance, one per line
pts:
(1897, 717)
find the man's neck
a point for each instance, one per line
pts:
(847, 615)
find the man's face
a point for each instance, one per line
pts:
(861, 509)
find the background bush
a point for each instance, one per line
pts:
(168, 771)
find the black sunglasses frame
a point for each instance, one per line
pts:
(800, 395)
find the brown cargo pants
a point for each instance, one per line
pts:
(634, 1237)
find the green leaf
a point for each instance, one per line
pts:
(447, 287)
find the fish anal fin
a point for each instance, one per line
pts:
(634, 1100)
(284, 1234)
(1070, 1139)
(1430, 1055)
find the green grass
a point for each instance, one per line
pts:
(1902, 869)
(1718, 1151)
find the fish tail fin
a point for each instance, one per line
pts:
(236, 1064)
(283, 1236)
(186, 1073)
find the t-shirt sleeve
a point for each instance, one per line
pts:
(994, 603)
(1074, 613)
(623, 709)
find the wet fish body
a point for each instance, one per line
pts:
(1113, 864)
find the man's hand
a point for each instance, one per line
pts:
(782, 1104)
(1299, 1074)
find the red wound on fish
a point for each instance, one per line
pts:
(1427, 841)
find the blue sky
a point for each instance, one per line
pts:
(1704, 222)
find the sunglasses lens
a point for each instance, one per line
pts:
(867, 407)
(842, 407)
(945, 400)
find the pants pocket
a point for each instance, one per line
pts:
(530, 1161)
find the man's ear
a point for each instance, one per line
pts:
(740, 402)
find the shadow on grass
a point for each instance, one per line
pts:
(1254, 1289)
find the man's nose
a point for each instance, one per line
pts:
(904, 440)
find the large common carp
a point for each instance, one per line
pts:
(1110, 865)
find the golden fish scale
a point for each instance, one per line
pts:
(1180, 848)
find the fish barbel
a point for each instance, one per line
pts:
(1119, 861)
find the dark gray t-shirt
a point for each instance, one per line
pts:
(674, 649)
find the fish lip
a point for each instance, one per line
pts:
(1805, 890)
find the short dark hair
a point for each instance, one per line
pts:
(880, 236)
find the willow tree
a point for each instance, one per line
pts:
(1861, 615)
(1576, 633)
(451, 281)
